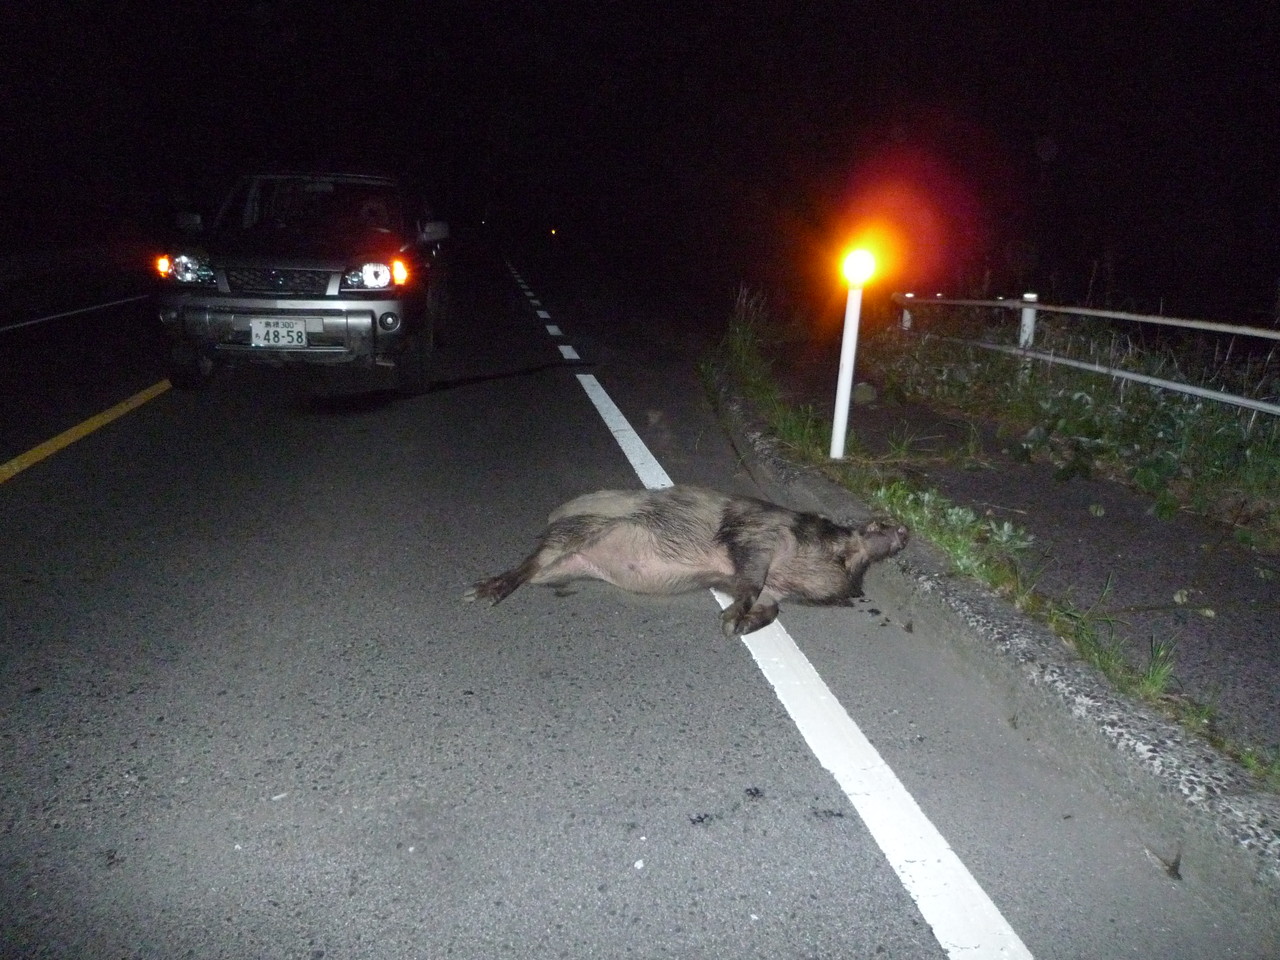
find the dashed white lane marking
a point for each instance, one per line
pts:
(554, 330)
(568, 352)
(543, 315)
(964, 920)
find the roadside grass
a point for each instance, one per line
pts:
(1186, 452)
(1065, 426)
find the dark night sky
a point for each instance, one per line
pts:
(1045, 142)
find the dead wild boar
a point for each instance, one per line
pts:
(686, 538)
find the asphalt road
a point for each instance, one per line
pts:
(246, 715)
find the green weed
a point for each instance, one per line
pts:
(1186, 452)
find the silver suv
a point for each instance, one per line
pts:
(328, 272)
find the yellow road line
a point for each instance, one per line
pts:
(33, 456)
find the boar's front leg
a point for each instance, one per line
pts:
(749, 611)
(743, 616)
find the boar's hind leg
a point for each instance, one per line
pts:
(496, 589)
(559, 543)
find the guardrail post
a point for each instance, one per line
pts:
(1027, 332)
(906, 314)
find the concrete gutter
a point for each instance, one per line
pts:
(1207, 817)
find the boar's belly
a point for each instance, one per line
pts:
(632, 558)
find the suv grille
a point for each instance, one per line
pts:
(313, 283)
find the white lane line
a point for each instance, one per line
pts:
(963, 918)
(568, 352)
(642, 461)
(554, 330)
(543, 315)
(72, 313)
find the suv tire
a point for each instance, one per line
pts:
(188, 368)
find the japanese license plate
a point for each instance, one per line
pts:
(277, 333)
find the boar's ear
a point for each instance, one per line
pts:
(855, 556)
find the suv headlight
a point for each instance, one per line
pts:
(376, 275)
(186, 269)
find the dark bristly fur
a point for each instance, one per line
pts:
(686, 538)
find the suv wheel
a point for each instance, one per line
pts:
(188, 368)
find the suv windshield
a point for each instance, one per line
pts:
(330, 205)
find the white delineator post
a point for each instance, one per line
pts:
(1027, 329)
(1027, 332)
(858, 267)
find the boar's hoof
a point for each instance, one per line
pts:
(731, 615)
(738, 619)
(493, 591)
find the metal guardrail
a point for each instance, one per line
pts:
(1029, 305)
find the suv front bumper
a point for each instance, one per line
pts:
(363, 332)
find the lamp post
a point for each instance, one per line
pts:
(858, 267)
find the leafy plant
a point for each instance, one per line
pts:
(1184, 451)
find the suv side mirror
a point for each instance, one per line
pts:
(189, 222)
(433, 231)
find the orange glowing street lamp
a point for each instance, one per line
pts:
(858, 267)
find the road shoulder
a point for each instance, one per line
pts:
(1213, 820)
